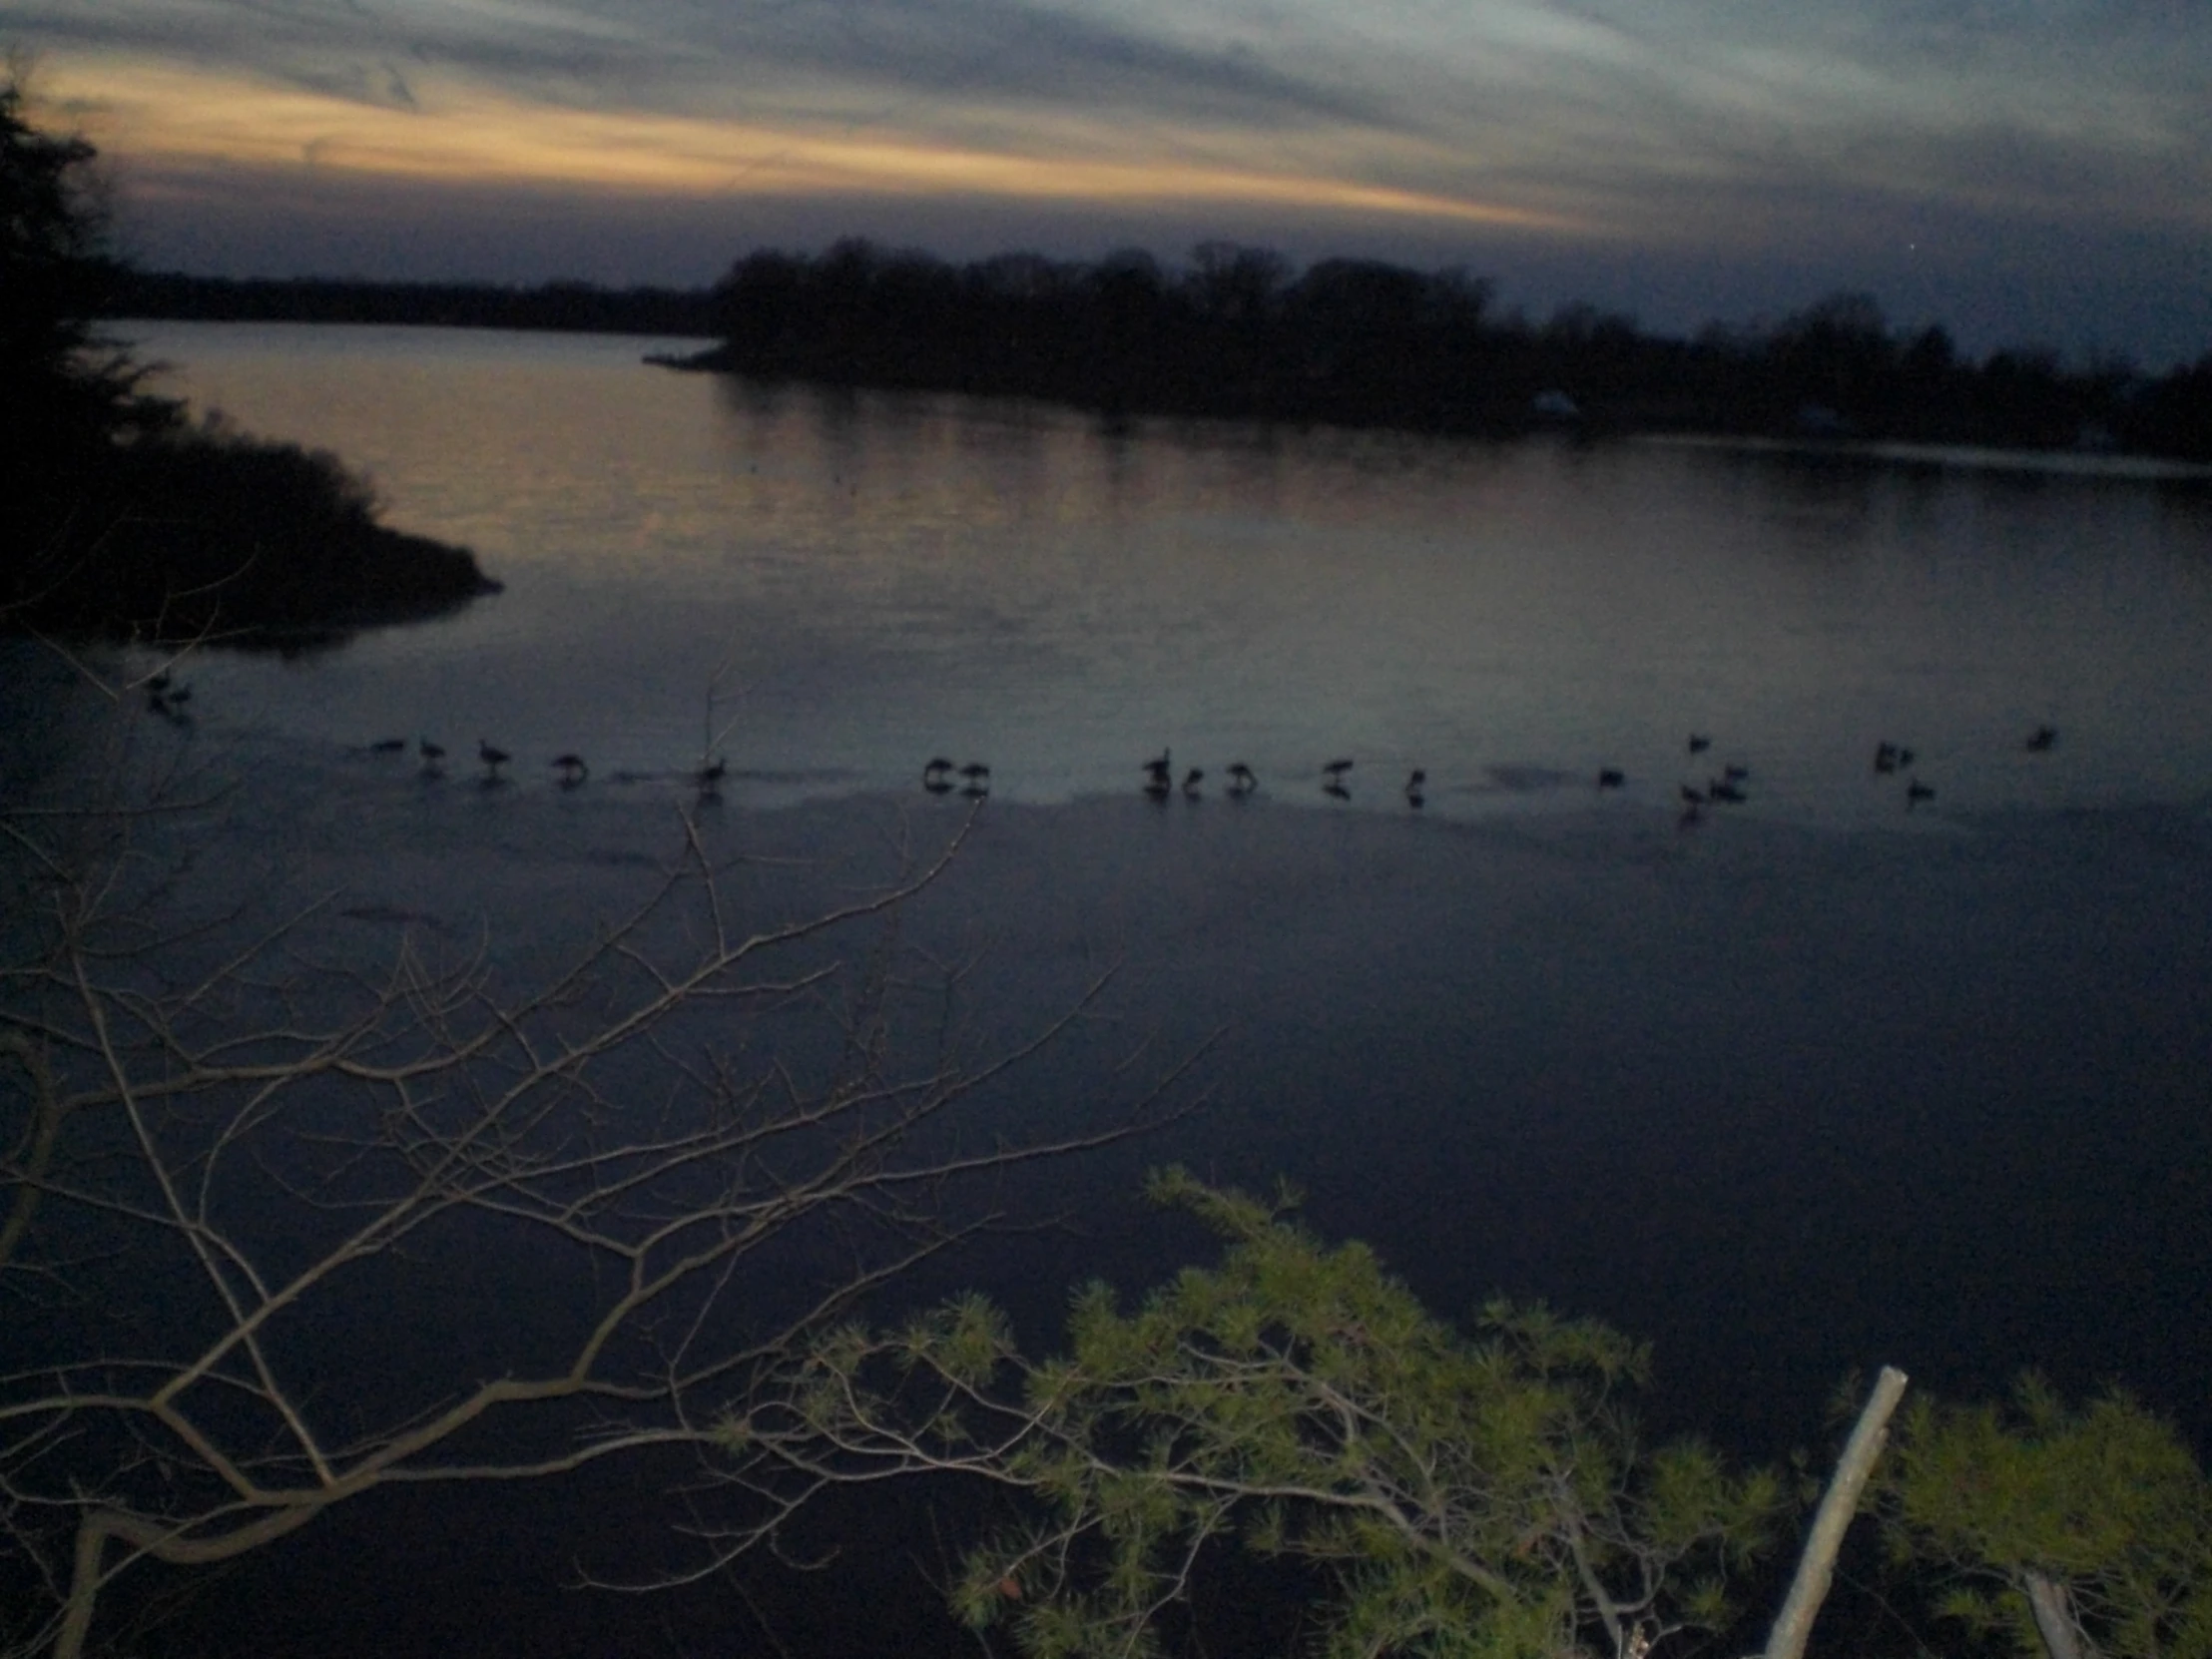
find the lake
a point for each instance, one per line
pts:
(1819, 1081)
(867, 581)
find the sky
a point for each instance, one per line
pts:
(2029, 172)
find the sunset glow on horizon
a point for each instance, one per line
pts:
(1679, 160)
(167, 117)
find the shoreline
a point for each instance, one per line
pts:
(703, 354)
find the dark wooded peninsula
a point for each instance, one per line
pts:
(1238, 333)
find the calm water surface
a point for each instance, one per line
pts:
(1786, 1101)
(865, 580)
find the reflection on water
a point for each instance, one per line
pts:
(1782, 1102)
(879, 579)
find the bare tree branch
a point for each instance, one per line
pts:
(179, 1096)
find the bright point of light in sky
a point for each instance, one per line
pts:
(2046, 161)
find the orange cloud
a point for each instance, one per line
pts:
(461, 133)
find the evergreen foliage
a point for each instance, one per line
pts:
(1456, 1494)
(67, 394)
(2104, 1504)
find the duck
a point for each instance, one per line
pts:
(493, 756)
(979, 778)
(1337, 770)
(1241, 780)
(1190, 780)
(1700, 742)
(1610, 778)
(433, 754)
(2042, 740)
(1916, 792)
(571, 768)
(1159, 766)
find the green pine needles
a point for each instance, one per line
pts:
(1457, 1495)
(2065, 1533)
(1451, 1493)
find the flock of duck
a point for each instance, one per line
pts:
(570, 770)
(1724, 787)
(942, 776)
(168, 698)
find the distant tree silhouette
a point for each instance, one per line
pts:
(1361, 342)
(1237, 333)
(1237, 286)
(1836, 357)
(1240, 333)
(560, 307)
(2174, 415)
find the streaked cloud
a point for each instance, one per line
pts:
(1789, 126)
(170, 115)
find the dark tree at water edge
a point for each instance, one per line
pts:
(68, 398)
(116, 514)
(1238, 333)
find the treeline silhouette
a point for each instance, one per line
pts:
(559, 307)
(1238, 333)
